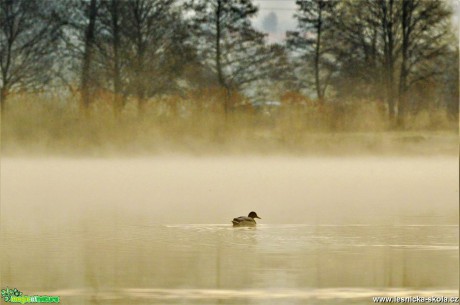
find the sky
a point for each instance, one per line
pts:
(284, 21)
(284, 10)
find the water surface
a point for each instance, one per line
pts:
(158, 231)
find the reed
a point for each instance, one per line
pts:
(198, 124)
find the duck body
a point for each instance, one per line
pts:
(245, 221)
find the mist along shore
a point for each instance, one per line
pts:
(258, 143)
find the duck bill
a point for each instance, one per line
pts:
(257, 217)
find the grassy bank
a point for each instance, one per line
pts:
(44, 125)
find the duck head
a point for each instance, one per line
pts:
(253, 215)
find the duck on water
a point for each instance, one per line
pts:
(245, 221)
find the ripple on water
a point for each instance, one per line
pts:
(340, 295)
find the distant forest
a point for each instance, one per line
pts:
(396, 58)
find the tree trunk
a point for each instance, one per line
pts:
(140, 83)
(388, 32)
(7, 27)
(3, 97)
(317, 55)
(391, 91)
(406, 31)
(141, 44)
(118, 101)
(85, 94)
(220, 74)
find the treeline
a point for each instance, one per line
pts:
(401, 55)
(400, 52)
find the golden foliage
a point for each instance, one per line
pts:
(197, 123)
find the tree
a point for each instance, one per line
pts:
(367, 51)
(30, 31)
(396, 43)
(113, 52)
(128, 48)
(314, 21)
(90, 41)
(424, 26)
(389, 15)
(158, 53)
(228, 44)
(450, 79)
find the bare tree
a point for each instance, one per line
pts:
(394, 42)
(314, 20)
(128, 48)
(229, 46)
(29, 37)
(112, 48)
(155, 48)
(424, 26)
(389, 20)
(90, 40)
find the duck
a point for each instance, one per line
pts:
(245, 221)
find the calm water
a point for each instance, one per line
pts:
(122, 232)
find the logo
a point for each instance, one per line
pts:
(16, 296)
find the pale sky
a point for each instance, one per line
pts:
(284, 10)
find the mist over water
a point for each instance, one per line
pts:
(133, 132)
(157, 230)
(282, 190)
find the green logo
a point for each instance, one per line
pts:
(16, 296)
